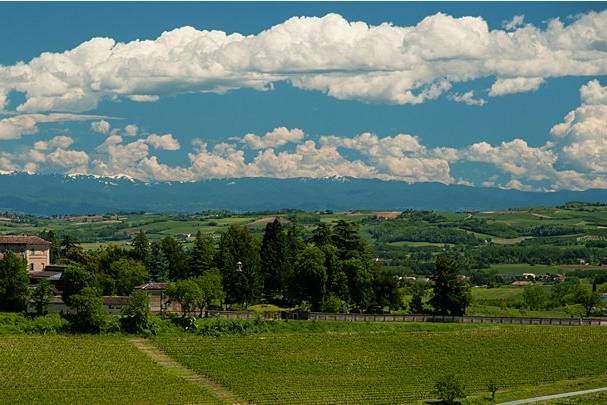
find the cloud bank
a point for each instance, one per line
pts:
(348, 60)
(574, 155)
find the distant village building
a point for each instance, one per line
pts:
(36, 251)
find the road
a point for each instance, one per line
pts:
(556, 396)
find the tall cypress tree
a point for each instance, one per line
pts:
(173, 250)
(141, 247)
(202, 255)
(158, 264)
(275, 259)
(348, 242)
(451, 293)
(238, 245)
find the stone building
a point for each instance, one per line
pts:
(36, 251)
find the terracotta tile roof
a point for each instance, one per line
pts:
(22, 240)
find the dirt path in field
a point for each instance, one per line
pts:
(550, 397)
(161, 358)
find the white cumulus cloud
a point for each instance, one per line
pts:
(165, 142)
(383, 63)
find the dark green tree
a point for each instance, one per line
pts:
(416, 305)
(140, 247)
(50, 236)
(158, 264)
(173, 251)
(346, 239)
(14, 283)
(385, 288)
(337, 280)
(360, 280)
(275, 262)
(322, 235)
(202, 255)
(74, 280)
(449, 388)
(41, 296)
(451, 293)
(242, 283)
(310, 276)
(127, 273)
(71, 250)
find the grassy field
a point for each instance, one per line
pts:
(520, 268)
(365, 367)
(85, 370)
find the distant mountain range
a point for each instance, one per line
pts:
(58, 194)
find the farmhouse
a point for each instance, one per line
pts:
(36, 251)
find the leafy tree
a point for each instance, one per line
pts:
(275, 259)
(177, 259)
(360, 281)
(90, 313)
(310, 276)
(51, 237)
(127, 273)
(534, 297)
(135, 315)
(385, 288)
(242, 283)
(140, 247)
(71, 251)
(187, 293)
(14, 283)
(202, 254)
(588, 299)
(416, 305)
(41, 296)
(211, 286)
(346, 239)
(451, 295)
(492, 387)
(449, 388)
(337, 280)
(322, 235)
(158, 264)
(335, 304)
(74, 280)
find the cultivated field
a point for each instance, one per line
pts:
(390, 367)
(85, 370)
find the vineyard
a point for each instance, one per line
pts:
(78, 370)
(389, 367)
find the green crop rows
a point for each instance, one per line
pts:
(78, 370)
(389, 367)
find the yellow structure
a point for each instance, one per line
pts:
(36, 251)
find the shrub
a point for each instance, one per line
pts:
(449, 388)
(136, 313)
(19, 323)
(90, 313)
(335, 304)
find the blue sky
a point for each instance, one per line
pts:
(435, 97)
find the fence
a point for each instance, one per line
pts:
(319, 316)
